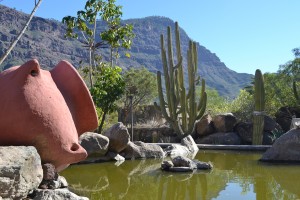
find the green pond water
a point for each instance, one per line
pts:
(236, 175)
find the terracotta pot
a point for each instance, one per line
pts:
(46, 109)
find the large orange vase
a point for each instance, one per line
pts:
(46, 109)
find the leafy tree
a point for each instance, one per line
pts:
(115, 36)
(278, 92)
(291, 70)
(216, 104)
(242, 106)
(145, 84)
(13, 44)
(109, 86)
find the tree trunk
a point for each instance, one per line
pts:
(13, 44)
(102, 122)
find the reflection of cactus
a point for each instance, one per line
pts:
(258, 118)
(296, 93)
(178, 100)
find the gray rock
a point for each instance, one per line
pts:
(166, 164)
(285, 149)
(94, 143)
(20, 171)
(203, 165)
(183, 164)
(62, 181)
(230, 138)
(118, 137)
(177, 150)
(189, 143)
(224, 122)
(181, 161)
(57, 194)
(59, 182)
(284, 116)
(142, 150)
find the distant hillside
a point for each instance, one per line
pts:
(44, 40)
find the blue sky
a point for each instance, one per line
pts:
(245, 34)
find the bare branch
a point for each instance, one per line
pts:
(13, 44)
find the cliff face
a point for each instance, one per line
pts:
(44, 40)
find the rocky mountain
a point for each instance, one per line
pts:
(44, 40)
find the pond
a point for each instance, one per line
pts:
(236, 175)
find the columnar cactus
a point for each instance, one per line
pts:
(179, 101)
(258, 114)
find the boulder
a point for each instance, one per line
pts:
(272, 131)
(142, 150)
(204, 126)
(181, 161)
(284, 116)
(245, 131)
(285, 149)
(224, 122)
(184, 164)
(118, 137)
(270, 124)
(230, 138)
(190, 144)
(166, 164)
(178, 150)
(203, 165)
(57, 194)
(20, 171)
(94, 143)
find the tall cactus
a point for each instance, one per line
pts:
(296, 93)
(179, 101)
(258, 114)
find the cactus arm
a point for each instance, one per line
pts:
(191, 76)
(161, 98)
(172, 76)
(202, 95)
(167, 75)
(202, 106)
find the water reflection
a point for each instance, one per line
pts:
(235, 175)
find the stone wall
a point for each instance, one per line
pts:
(142, 114)
(154, 135)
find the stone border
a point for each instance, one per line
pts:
(225, 147)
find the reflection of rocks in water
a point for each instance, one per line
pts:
(144, 167)
(98, 180)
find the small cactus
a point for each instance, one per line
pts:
(258, 114)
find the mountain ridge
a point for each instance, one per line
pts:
(44, 39)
